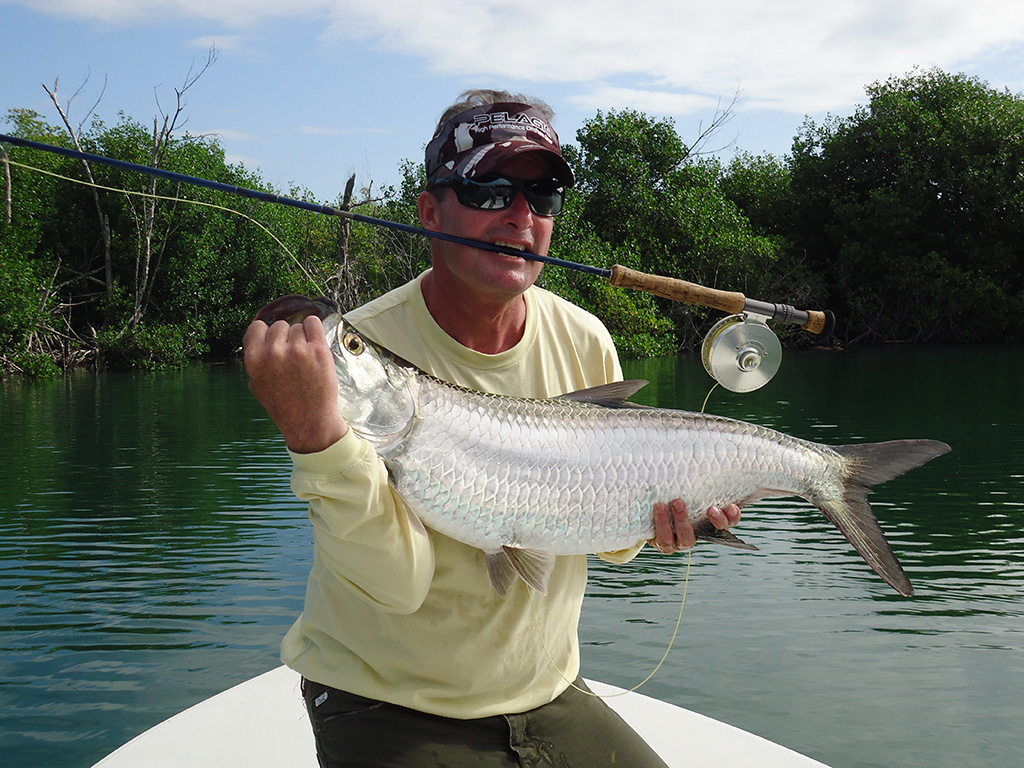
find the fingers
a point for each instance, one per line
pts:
(673, 530)
(724, 518)
(281, 349)
(291, 373)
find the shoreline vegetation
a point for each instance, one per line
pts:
(905, 218)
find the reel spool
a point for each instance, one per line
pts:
(741, 352)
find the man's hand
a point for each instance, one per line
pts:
(673, 530)
(291, 372)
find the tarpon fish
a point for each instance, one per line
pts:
(525, 480)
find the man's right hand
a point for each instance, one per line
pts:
(291, 373)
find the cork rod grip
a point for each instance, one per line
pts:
(678, 290)
(817, 322)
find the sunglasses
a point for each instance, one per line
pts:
(545, 198)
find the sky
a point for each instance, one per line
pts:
(307, 92)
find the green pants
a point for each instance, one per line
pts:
(576, 730)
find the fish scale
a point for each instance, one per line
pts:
(576, 477)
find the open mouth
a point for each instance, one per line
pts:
(513, 246)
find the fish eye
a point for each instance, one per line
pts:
(353, 343)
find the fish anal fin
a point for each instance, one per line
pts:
(706, 531)
(613, 395)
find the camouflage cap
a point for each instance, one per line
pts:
(475, 142)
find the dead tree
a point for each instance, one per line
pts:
(148, 258)
(74, 133)
(346, 291)
(7, 185)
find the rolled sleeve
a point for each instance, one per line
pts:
(364, 536)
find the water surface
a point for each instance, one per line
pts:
(151, 554)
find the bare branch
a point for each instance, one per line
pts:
(150, 252)
(104, 222)
(191, 77)
(89, 112)
(7, 184)
(721, 117)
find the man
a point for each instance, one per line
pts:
(409, 657)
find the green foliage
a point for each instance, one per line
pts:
(387, 258)
(905, 218)
(149, 347)
(913, 209)
(761, 187)
(632, 317)
(645, 196)
(213, 259)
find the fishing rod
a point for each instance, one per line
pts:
(740, 347)
(817, 322)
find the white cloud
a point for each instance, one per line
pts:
(232, 13)
(661, 56)
(679, 56)
(235, 159)
(660, 102)
(223, 43)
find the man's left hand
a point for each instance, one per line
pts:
(673, 531)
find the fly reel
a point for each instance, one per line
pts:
(741, 352)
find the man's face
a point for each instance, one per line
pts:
(484, 272)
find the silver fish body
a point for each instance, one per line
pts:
(525, 480)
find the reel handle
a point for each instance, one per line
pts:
(732, 302)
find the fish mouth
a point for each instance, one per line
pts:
(294, 308)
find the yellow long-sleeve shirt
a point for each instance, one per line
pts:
(394, 615)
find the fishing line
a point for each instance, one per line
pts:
(710, 391)
(671, 642)
(203, 203)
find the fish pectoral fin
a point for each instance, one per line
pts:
(706, 531)
(531, 565)
(415, 524)
(613, 395)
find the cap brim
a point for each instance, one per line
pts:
(482, 161)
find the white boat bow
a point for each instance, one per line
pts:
(262, 723)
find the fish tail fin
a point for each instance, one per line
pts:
(869, 465)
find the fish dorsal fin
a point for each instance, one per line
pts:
(509, 563)
(613, 395)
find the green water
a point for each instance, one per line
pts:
(151, 555)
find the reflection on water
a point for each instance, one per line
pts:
(151, 554)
